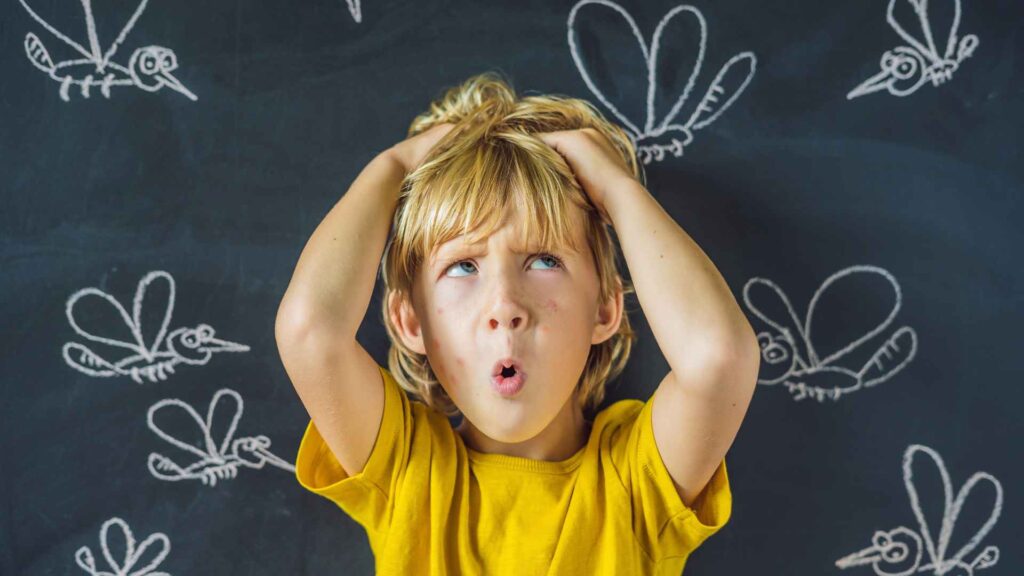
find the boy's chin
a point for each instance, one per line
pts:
(513, 426)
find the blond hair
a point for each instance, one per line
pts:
(489, 162)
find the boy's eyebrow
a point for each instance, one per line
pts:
(441, 251)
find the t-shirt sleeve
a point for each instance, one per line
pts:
(366, 496)
(665, 526)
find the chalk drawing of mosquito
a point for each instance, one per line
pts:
(355, 9)
(149, 67)
(130, 564)
(907, 68)
(216, 461)
(655, 138)
(193, 346)
(788, 352)
(898, 552)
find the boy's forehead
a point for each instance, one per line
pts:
(519, 239)
(517, 244)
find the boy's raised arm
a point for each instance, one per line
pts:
(333, 280)
(337, 381)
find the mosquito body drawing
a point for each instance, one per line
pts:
(900, 551)
(653, 138)
(154, 352)
(789, 354)
(217, 460)
(904, 69)
(149, 67)
(131, 563)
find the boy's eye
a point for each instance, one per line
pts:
(555, 263)
(457, 265)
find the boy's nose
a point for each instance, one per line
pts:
(507, 313)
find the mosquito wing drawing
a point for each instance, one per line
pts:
(154, 548)
(653, 137)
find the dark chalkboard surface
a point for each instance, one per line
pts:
(852, 168)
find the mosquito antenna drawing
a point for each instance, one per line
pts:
(149, 67)
(216, 461)
(130, 564)
(790, 355)
(651, 137)
(899, 552)
(904, 69)
(154, 353)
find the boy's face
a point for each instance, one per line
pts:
(474, 305)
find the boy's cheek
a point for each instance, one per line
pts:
(448, 295)
(458, 303)
(445, 310)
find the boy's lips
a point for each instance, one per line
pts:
(508, 386)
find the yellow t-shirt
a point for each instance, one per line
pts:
(431, 505)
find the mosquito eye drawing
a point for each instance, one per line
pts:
(97, 68)
(905, 69)
(900, 551)
(147, 63)
(772, 351)
(902, 66)
(815, 368)
(170, 61)
(153, 352)
(653, 137)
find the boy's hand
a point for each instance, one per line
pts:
(411, 151)
(598, 167)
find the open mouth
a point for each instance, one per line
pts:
(506, 368)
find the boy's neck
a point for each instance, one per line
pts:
(561, 439)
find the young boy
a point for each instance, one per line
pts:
(504, 306)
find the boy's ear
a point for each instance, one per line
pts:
(403, 316)
(609, 317)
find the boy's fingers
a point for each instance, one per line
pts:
(551, 137)
(550, 140)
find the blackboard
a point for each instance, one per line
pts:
(895, 209)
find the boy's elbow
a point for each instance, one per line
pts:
(293, 320)
(287, 319)
(749, 353)
(755, 361)
(739, 356)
